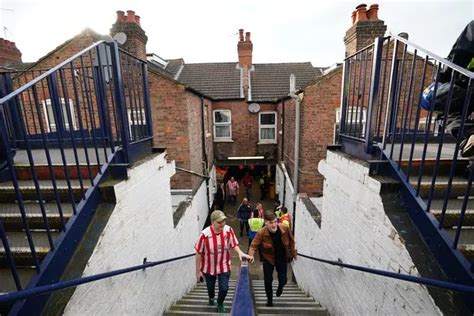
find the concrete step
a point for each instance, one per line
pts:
(202, 301)
(285, 290)
(204, 291)
(205, 297)
(453, 212)
(28, 191)
(7, 283)
(314, 311)
(286, 299)
(444, 167)
(466, 237)
(174, 312)
(20, 248)
(286, 295)
(458, 187)
(12, 220)
(467, 251)
(197, 308)
(24, 172)
(287, 304)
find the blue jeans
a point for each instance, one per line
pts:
(223, 285)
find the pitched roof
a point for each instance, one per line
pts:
(270, 82)
(216, 80)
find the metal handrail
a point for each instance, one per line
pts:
(23, 294)
(242, 304)
(399, 276)
(46, 74)
(452, 65)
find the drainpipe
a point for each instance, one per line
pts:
(204, 155)
(283, 150)
(296, 168)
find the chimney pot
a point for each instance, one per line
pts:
(372, 12)
(241, 35)
(130, 16)
(120, 16)
(403, 35)
(361, 14)
(247, 36)
(137, 19)
(353, 16)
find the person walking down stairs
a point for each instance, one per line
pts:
(277, 248)
(213, 257)
(243, 213)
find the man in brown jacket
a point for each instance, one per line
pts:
(278, 248)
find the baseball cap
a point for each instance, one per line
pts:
(217, 216)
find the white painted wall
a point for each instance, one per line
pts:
(356, 230)
(284, 195)
(141, 225)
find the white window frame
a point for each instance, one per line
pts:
(260, 126)
(215, 124)
(49, 126)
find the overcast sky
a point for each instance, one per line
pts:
(206, 30)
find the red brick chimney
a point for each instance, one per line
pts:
(9, 53)
(366, 26)
(244, 48)
(136, 37)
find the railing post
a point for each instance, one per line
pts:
(6, 87)
(391, 94)
(146, 97)
(4, 146)
(344, 90)
(120, 98)
(373, 92)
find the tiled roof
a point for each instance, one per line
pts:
(216, 80)
(270, 82)
(174, 65)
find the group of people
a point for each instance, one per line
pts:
(273, 240)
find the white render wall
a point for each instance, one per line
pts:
(284, 195)
(355, 229)
(140, 226)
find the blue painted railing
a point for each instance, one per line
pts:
(385, 116)
(87, 112)
(242, 304)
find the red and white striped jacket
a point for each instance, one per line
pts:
(215, 249)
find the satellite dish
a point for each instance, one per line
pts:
(254, 107)
(120, 37)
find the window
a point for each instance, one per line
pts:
(137, 121)
(49, 115)
(267, 127)
(355, 124)
(222, 125)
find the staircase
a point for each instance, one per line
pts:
(455, 201)
(196, 302)
(12, 220)
(293, 301)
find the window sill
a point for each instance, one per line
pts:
(272, 142)
(223, 140)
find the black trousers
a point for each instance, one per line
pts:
(281, 267)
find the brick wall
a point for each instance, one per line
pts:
(245, 130)
(318, 112)
(286, 111)
(9, 53)
(170, 124)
